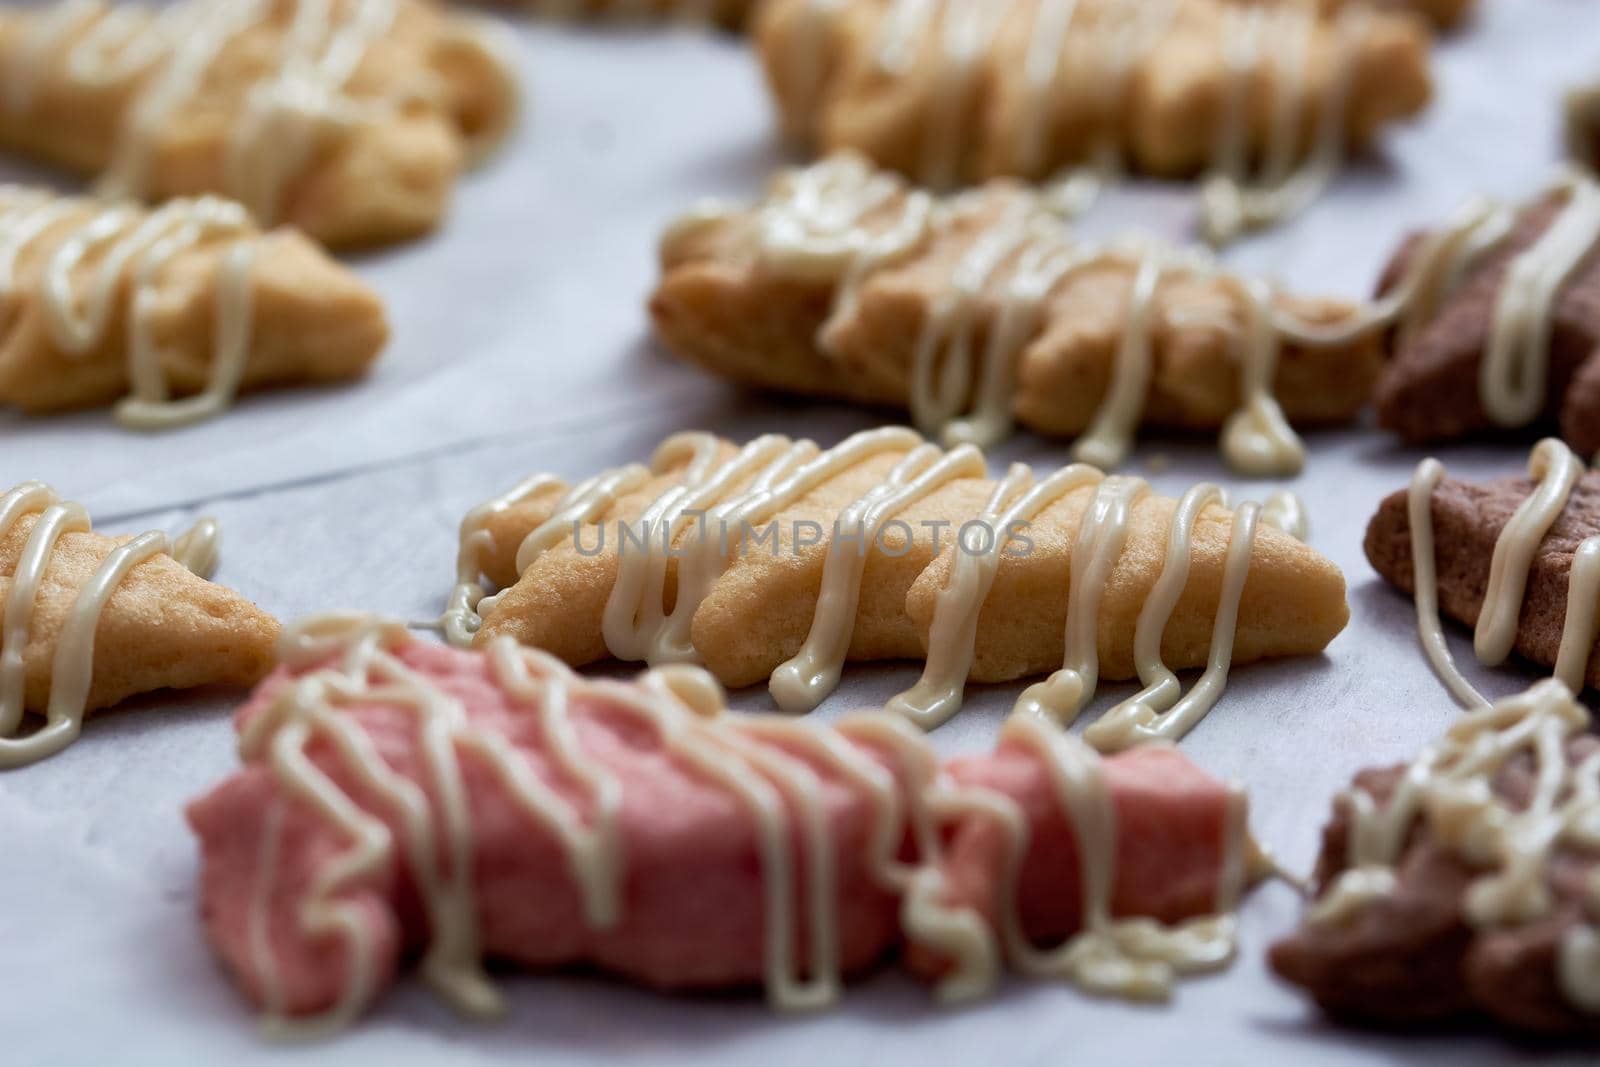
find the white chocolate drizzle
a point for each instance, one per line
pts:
(714, 501)
(1282, 34)
(1513, 374)
(1451, 787)
(1270, 43)
(287, 114)
(1556, 471)
(1160, 711)
(72, 666)
(1137, 958)
(839, 222)
(768, 763)
(1452, 790)
(96, 256)
(1116, 40)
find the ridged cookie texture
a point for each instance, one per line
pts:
(781, 561)
(92, 620)
(1527, 547)
(168, 312)
(644, 830)
(1501, 322)
(1460, 889)
(1262, 99)
(984, 309)
(349, 119)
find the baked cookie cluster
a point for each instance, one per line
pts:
(480, 802)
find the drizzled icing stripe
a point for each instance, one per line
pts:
(1450, 789)
(822, 224)
(1451, 786)
(1516, 362)
(350, 661)
(827, 224)
(72, 666)
(91, 251)
(1132, 957)
(287, 111)
(1159, 711)
(1117, 38)
(1231, 201)
(1513, 374)
(1556, 470)
(1272, 41)
(760, 480)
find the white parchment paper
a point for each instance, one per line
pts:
(520, 346)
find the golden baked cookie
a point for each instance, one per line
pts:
(349, 119)
(1263, 100)
(173, 309)
(91, 620)
(981, 309)
(782, 560)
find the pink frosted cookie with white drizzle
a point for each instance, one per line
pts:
(168, 312)
(780, 561)
(981, 311)
(87, 620)
(492, 804)
(1262, 100)
(349, 119)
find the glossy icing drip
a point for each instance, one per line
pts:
(72, 666)
(1275, 40)
(1516, 362)
(1556, 471)
(350, 661)
(96, 256)
(1137, 958)
(1270, 43)
(713, 497)
(1514, 372)
(839, 222)
(1159, 711)
(1450, 789)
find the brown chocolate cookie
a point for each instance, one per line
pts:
(1467, 520)
(1430, 391)
(1410, 957)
